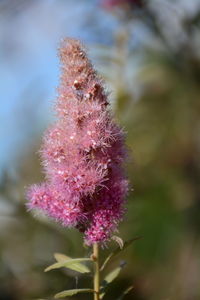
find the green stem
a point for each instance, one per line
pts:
(96, 271)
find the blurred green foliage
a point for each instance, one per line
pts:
(156, 99)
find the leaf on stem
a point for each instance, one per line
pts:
(117, 251)
(112, 275)
(125, 293)
(61, 257)
(72, 292)
(78, 267)
(68, 263)
(109, 278)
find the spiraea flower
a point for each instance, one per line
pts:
(82, 154)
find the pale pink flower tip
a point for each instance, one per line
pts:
(82, 154)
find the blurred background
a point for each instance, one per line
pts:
(148, 53)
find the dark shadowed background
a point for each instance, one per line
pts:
(148, 53)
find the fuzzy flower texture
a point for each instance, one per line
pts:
(82, 154)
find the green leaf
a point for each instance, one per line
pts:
(78, 267)
(112, 275)
(125, 293)
(117, 251)
(72, 292)
(66, 263)
(109, 278)
(61, 257)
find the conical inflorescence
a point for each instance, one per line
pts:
(82, 154)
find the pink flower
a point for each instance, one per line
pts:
(82, 154)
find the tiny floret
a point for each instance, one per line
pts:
(82, 154)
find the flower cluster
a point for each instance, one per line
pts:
(82, 154)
